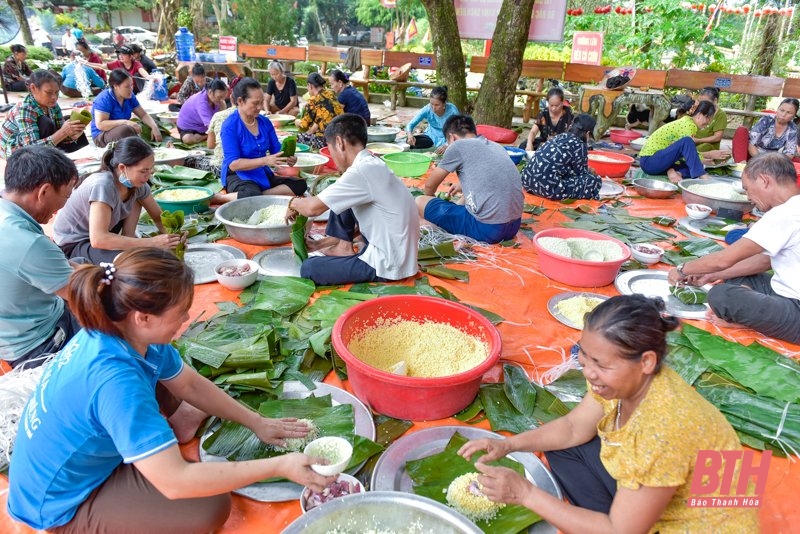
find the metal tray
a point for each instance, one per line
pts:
(279, 261)
(652, 283)
(202, 258)
(727, 163)
(287, 490)
(382, 511)
(552, 305)
(610, 189)
(696, 227)
(390, 470)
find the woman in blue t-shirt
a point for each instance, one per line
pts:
(435, 114)
(94, 452)
(349, 97)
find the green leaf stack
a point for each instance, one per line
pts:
(289, 146)
(173, 224)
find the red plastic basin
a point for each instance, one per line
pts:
(330, 165)
(497, 134)
(404, 397)
(624, 137)
(578, 273)
(612, 169)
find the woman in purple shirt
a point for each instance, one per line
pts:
(250, 147)
(196, 113)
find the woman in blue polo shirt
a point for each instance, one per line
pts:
(349, 97)
(93, 452)
(112, 109)
(250, 147)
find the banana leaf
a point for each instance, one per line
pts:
(177, 173)
(327, 308)
(433, 474)
(685, 361)
(299, 237)
(471, 413)
(441, 250)
(758, 417)
(697, 246)
(447, 273)
(519, 390)
(569, 387)
(763, 370)
(282, 294)
(501, 412)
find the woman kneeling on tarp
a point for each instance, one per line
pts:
(674, 142)
(93, 453)
(625, 456)
(560, 168)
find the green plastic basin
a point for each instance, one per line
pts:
(198, 205)
(409, 164)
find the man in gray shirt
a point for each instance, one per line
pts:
(490, 209)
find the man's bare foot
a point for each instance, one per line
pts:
(185, 421)
(674, 176)
(712, 318)
(342, 248)
(320, 244)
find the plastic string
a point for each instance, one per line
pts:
(16, 387)
(782, 444)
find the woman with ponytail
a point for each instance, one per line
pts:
(99, 219)
(625, 456)
(94, 452)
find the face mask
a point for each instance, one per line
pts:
(124, 181)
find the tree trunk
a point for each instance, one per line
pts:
(495, 103)
(167, 24)
(447, 48)
(765, 56)
(198, 20)
(19, 11)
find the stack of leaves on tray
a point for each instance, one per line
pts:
(169, 176)
(237, 443)
(433, 474)
(201, 228)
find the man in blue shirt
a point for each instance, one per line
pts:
(34, 319)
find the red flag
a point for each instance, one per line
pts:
(411, 31)
(389, 4)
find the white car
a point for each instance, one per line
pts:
(132, 34)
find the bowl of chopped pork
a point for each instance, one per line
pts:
(580, 258)
(415, 357)
(716, 193)
(257, 220)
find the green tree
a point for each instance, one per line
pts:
(447, 48)
(495, 103)
(334, 15)
(19, 12)
(104, 9)
(372, 13)
(262, 21)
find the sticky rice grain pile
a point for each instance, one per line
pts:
(582, 248)
(429, 349)
(465, 495)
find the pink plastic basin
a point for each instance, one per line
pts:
(404, 397)
(504, 136)
(624, 136)
(578, 273)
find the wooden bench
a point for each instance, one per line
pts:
(331, 54)
(288, 54)
(398, 59)
(730, 83)
(531, 68)
(791, 88)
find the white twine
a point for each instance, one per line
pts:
(781, 443)
(82, 80)
(16, 388)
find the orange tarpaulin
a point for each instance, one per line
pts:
(507, 281)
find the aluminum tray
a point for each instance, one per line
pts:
(390, 470)
(651, 283)
(289, 491)
(203, 257)
(552, 305)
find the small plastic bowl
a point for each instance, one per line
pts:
(237, 281)
(697, 211)
(344, 452)
(516, 154)
(646, 253)
(355, 487)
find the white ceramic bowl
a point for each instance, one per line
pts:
(240, 281)
(344, 451)
(698, 211)
(646, 253)
(306, 494)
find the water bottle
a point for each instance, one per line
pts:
(184, 44)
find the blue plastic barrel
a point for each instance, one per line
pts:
(184, 44)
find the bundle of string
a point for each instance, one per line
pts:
(16, 387)
(82, 80)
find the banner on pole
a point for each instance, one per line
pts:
(477, 19)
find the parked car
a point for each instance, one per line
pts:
(354, 37)
(132, 34)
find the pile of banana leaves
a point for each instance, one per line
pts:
(169, 176)
(201, 227)
(616, 222)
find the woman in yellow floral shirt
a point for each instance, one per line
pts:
(322, 107)
(625, 456)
